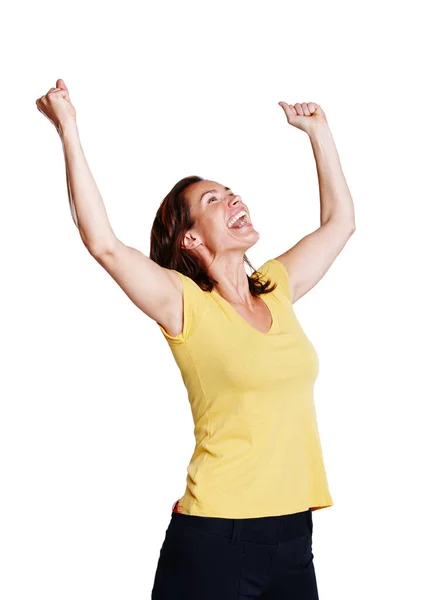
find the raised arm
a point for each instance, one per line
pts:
(154, 289)
(309, 259)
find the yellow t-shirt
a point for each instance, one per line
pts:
(257, 447)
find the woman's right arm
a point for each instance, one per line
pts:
(156, 290)
(152, 288)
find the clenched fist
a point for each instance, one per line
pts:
(305, 116)
(57, 106)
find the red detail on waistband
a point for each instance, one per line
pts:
(176, 506)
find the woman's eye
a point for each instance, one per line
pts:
(215, 197)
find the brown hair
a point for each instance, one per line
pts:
(172, 221)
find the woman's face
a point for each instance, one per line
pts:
(212, 206)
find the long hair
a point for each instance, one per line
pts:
(172, 221)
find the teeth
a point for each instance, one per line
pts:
(242, 213)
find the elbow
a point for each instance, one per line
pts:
(98, 249)
(99, 245)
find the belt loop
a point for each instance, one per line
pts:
(236, 528)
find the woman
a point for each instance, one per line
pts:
(243, 527)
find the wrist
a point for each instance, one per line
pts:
(67, 128)
(319, 130)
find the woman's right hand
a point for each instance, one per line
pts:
(57, 106)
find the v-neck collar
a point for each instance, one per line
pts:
(247, 324)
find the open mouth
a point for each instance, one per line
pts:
(239, 220)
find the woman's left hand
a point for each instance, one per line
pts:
(305, 116)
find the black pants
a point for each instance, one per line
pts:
(211, 558)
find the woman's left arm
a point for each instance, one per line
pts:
(310, 258)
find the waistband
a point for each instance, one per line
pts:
(265, 530)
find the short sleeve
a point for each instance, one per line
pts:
(195, 303)
(277, 272)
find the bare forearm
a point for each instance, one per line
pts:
(87, 207)
(335, 197)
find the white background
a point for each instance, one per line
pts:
(95, 427)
